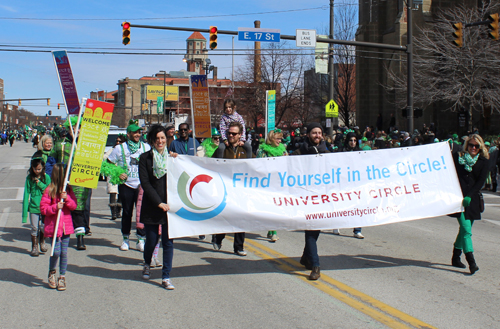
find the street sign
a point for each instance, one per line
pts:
(255, 34)
(332, 109)
(305, 38)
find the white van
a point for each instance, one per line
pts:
(114, 131)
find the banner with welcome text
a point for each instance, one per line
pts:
(311, 192)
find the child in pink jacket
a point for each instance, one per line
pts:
(53, 200)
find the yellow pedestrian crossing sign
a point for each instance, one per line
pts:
(332, 109)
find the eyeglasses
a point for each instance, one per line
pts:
(352, 140)
(215, 138)
(474, 146)
(232, 134)
(183, 129)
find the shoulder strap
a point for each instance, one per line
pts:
(123, 156)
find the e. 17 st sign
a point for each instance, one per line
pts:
(256, 34)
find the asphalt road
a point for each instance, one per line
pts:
(399, 276)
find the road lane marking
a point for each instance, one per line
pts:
(492, 221)
(368, 305)
(15, 167)
(20, 194)
(3, 218)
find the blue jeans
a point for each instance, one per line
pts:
(167, 244)
(311, 248)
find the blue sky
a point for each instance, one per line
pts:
(45, 25)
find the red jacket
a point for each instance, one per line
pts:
(48, 207)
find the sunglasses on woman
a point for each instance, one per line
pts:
(474, 146)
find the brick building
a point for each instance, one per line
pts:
(385, 21)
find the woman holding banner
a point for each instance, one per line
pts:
(152, 174)
(272, 148)
(313, 144)
(472, 167)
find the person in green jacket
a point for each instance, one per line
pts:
(36, 183)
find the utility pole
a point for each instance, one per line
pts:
(331, 94)
(409, 51)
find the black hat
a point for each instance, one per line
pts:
(313, 125)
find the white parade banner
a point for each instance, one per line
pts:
(310, 192)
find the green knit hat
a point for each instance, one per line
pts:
(215, 132)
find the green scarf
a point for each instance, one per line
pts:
(159, 163)
(209, 147)
(45, 155)
(273, 151)
(133, 146)
(468, 161)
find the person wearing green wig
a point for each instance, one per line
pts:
(472, 167)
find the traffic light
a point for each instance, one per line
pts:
(126, 33)
(213, 37)
(50, 112)
(58, 106)
(19, 102)
(48, 101)
(458, 34)
(493, 26)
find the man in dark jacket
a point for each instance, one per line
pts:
(233, 151)
(314, 144)
(184, 144)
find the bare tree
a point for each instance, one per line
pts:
(460, 78)
(281, 70)
(344, 57)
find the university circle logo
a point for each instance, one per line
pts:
(201, 196)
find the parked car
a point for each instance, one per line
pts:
(114, 131)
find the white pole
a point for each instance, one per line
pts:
(68, 168)
(192, 113)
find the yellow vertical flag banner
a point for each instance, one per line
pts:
(91, 143)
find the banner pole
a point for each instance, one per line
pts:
(192, 114)
(68, 168)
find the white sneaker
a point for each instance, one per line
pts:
(167, 284)
(155, 262)
(241, 252)
(125, 245)
(140, 245)
(359, 235)
(336, 231)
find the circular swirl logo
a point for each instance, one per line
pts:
(201, 196)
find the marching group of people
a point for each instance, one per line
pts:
(136, 173)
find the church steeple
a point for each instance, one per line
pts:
(196, 53)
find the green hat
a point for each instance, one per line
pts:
(215, 132)
(73, 119)
(133, 126)
(487, 143)
(364, 139)
(454, 136)
(436, 140)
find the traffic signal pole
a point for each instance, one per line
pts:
(331, 92)
(409, 52)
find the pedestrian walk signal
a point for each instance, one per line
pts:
(126, 33)
(213, 37)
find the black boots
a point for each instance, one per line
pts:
(80, 243)
(41, 238)
(455, 260)
(115, 210)
(34, 246)
(472, 262)
(314, 273)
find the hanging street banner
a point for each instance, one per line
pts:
(321, 56)
(66, 81)
(153, 92)
(310, 192)
(200, 105)
(159, 105)
(270, 109)
(92, 139)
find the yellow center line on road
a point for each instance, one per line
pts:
(368, 305)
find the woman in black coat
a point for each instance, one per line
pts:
(152, 174)
(472, 167)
